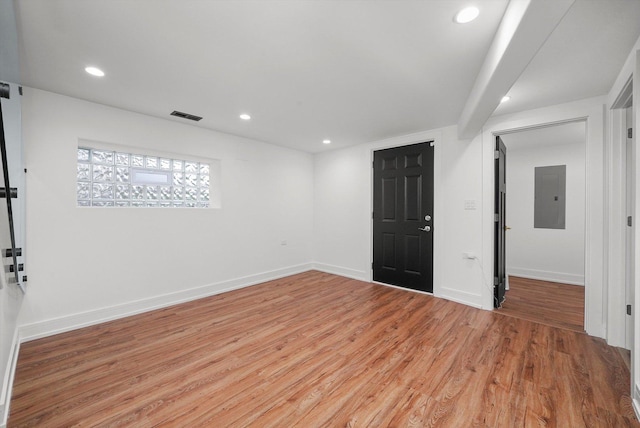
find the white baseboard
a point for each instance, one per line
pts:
(443, 292)
(342, 271)
(565, 278)
(7, 387)
(71, 322)
(634, 401)
(457, 296)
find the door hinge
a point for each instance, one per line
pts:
(5, 91)
(628, 309)
(9, 252)
(629, 221)
(13, 191)
(373, 215)
(496, 217)
(20, 267)
(496, 154)
(495, 280)
(630, 133)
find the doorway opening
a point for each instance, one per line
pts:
(540, 225)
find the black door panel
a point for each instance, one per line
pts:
(500, 223)
(403, 198)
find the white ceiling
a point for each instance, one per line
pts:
(351, 71)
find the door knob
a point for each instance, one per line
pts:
(427, 217)
(507, 228)
(425, 229)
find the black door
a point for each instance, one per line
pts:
(403, 216)
(499, 280)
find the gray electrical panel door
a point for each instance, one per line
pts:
(550, 197)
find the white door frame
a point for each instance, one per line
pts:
(635, 349)
(590, 111)
(617, 228)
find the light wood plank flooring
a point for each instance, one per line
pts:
(318, 350)
(551, 303)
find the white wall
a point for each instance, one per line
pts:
(462, 280)
(547, 254)
(463, 178)
(329, 194)
(343, 204)
(342, 212)
(93, 264)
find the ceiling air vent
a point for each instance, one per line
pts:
(185, 115)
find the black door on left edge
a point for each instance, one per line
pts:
(500, 212)
(403, 216)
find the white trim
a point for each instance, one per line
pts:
(5, 401)
(71, 322)
(634, 58)
(627, 70)
(469, 299)
(342, 271)
(634, 401)
(562, 277)
(617, 228)
(592, 112)
(625, 97)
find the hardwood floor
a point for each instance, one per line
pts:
(551, 303)
(318, 350)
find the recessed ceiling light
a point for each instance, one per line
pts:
(245, 116)
(326, 141)
(94, 71)
(467, 14)
(505, 99)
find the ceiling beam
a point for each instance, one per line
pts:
(525, 27)
(9, 60)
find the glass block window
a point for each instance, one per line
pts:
(107, 178)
